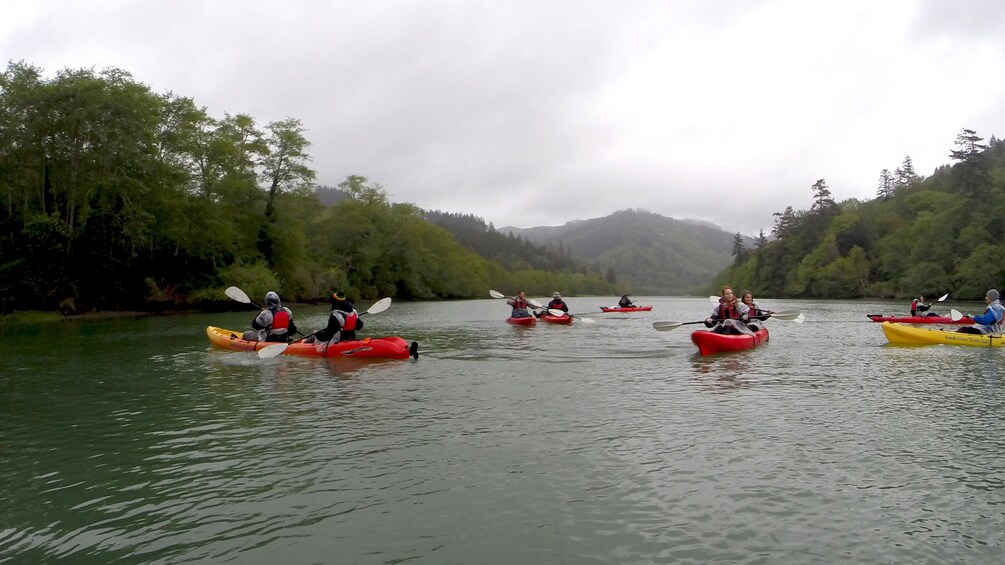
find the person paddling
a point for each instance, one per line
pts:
(342, 323)
(625, 302)
(754, 311)
(556, 304)
(729, 316)
(274, 323)
(990, 322)
(919, 308)
(519, 305)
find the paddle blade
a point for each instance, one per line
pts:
(666, 326)
(270, 351)
(584, 320)
(789, 316)
(713, 299)
(956, 315)
(534, 303)
(379, 306)
(944, 296)
(496, 294)
(237, 294)
(555, 312)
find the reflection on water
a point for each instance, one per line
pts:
(135, 441)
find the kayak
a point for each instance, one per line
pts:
(920, 319)
(900, 334)
(566, 319)
(528, 321)
(711, 342)
(624, 309)
(372, 347)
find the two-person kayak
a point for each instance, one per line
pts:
(920, 319)
(392, 347)
(625, 308)
(900, 334)
(709, 342)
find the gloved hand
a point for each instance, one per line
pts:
(709, 322)
(745, 318)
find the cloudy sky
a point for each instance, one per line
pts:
(532, 113)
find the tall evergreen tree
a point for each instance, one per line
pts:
(886, 185)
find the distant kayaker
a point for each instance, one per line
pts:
(273, 323)
(990, 322)
(729, 316)
(919, 308)
(556, 304)
(519, 305)
(625, 302)
(342, 323)
(754, 311)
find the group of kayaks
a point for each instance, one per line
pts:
(550, 317)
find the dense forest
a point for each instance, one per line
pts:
(116, 197)
(935, 235)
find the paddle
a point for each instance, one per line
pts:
(944, 296)
(270, 351)
(787, 315)
(239, 295)
(557, 312)
(955, 315)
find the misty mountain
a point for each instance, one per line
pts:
(649, 253)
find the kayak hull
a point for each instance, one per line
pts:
(900, 334)
(629, 309)
(528, 321)
(566, 320)
(711, 342)
(920, 319)
(392, 347)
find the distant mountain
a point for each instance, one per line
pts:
(648, 253)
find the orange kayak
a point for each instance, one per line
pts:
(711, 342)
(372, 347)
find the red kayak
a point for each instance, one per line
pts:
(711, 342)
(528, 321)
(920, 319)
(628, 309)
(566, 319)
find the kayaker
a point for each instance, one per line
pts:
(625, 302)
(556, 303)
(519, 305)
(274, 323)
(755, 311)
(342, 323)
(990, 322)
(919, 308)
(729, 316)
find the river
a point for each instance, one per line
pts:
(134, 441)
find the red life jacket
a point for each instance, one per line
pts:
(728, 312)
(281, 320)
(350, 321)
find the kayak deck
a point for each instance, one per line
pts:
(920, 319)
(392, 347)
(628, 309)
(900, 334)
(567, 320)
(709, 342)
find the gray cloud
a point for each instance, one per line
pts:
(530, 113)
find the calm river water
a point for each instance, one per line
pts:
(134, 441)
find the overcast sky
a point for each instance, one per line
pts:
(533, 113)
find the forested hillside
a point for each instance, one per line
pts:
(114, 197)
(935, 235)
(648, 253)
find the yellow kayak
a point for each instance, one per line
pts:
(910, 335)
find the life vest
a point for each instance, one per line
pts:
(280, 321)
(728, 312)
(350, 321)
(914, 306)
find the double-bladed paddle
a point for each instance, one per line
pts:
(787, 315)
